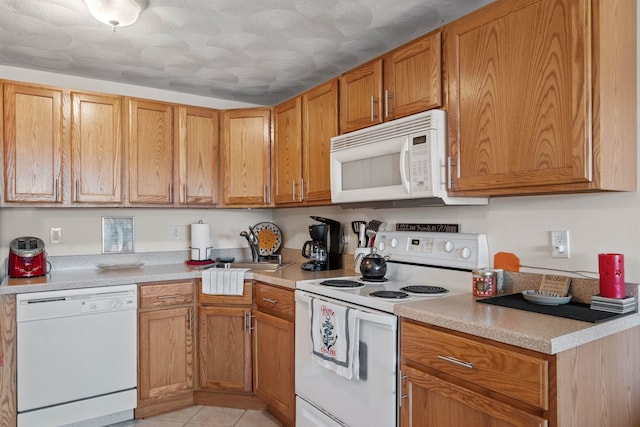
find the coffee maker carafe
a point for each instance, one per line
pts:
(324, 251)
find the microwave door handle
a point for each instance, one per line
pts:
(403, 167)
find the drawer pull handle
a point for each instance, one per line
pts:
(270, 300)
(456, 361)
(176, 296)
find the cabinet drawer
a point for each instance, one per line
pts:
(244, 299)
(164, 294)
(276, 300)
(510, 372)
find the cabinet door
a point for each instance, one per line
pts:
(197, 135)
(96, 148)
(274, 361)
(413, 77)
(33, 137)
(165, 352)
(150, 152)
(320, 124)
(287, 152)
(519, 95)
(361, 96)
(246, 162)
(224, 348)
(429, 401)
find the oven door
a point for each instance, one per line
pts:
(330, 399)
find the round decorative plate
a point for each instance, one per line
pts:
(536, 298)
(269, 237)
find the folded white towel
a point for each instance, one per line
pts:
(334, 338)
(223, 281)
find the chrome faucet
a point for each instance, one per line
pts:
(253, 243)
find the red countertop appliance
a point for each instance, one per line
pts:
(27, 257)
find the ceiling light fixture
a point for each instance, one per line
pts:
(117, 13)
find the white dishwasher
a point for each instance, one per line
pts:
(77, 356)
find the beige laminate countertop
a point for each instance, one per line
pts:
(539, 332)
(534, 331)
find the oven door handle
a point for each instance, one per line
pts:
(388, 320)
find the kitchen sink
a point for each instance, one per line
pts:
(254, 266)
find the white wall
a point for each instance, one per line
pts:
(604, 222)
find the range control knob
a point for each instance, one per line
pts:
(382, 245)
(394, 243)
(448, 246)
(465, 253)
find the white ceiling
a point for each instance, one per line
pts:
(255, 51)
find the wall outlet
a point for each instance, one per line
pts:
(560, 244)
(175, 232)
(55, 235)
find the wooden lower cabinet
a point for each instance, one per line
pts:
(225, 348)
(273, 350)
(452, 379)
(431, 401)
(165, 347)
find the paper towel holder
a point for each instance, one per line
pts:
(200, 248)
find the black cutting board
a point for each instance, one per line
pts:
(572, 310)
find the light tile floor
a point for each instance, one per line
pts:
(207, 416)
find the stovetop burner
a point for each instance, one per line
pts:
(341, 283)
(389, 294)
(424, 289)
(372, 280)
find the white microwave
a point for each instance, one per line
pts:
(398, 163)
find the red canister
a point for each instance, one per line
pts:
(485, 283)
(611, 269)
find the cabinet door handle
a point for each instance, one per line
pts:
(184, 193)
(176, 296)
(247, 321)
(386, 102)
(449, 171)
(77, 190)
(293, 190)
(372, 110)
(302, 190)
(170, 193)
(455, 361)
(264, 194)
(270, 300)
(57, 190)
(190, 318)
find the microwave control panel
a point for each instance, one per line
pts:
(420, 168)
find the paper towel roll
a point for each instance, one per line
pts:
(200, 241)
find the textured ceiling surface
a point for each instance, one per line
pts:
(256, 51)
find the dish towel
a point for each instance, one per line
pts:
(335, 337)
(223, 281)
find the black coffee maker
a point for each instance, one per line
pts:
(324, 251)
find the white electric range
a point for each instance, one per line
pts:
(442, 262)
(362, 391)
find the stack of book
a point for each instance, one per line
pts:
(613, 305)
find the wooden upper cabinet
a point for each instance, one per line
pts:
(287, 152)
(413, 77)
(319, 125)
(361, 97)
(245, 157)
(150, 152)
(96, 148)
(34, 129)
(197, 138)
(542, 97)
